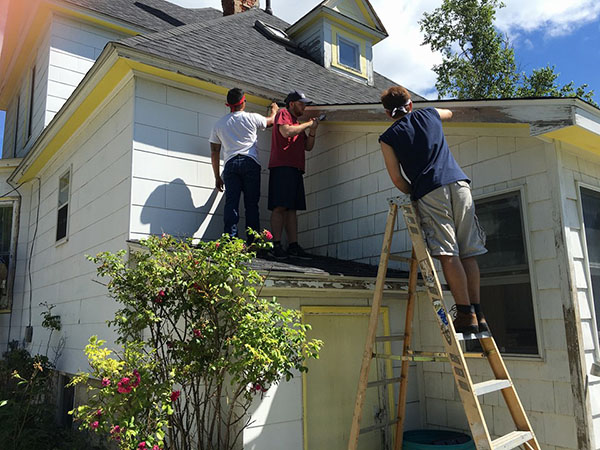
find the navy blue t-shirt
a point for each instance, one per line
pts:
(421, 148)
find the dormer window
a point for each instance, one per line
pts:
(349, 53)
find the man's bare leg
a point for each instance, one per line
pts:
(277, 220)
(291, 225)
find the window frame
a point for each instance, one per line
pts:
(65, 238)
(521, 191)
(588, 275)
(31, 103)
(16, 204)
(351, 43)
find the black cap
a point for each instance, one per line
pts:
(297, 96)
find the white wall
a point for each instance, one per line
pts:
(73, 47)
(173, 182)
(100, 160)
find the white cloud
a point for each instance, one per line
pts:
(402, 58)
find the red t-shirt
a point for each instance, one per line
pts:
(286, 152)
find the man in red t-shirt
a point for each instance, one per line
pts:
(289, 141)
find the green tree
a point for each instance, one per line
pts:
(198, 345)
(478, 61)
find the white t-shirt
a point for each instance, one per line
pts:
(237, 134)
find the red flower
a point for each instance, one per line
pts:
(142, 445)
(136, 374)
(155, 447)
(105, 382)
(267, 234)
(114, 431)
(94, 425)
(98, 412)
(197, 333)
(175, 395)
(123, 386)
(160, 297)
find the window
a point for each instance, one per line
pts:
(16, 143)
(30, 114)
(8, 234)
(62, 222)
(349, 53)
(506, 296)
(590, 204)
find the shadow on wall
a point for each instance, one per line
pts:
(170, 209)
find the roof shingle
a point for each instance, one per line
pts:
(231, 46)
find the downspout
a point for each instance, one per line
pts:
(268, 8)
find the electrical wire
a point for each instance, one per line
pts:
(13, 190)
(37, 217)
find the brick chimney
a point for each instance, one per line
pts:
(237, 6)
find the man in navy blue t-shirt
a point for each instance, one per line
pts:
(419, 163)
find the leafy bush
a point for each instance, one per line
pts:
(198, 344)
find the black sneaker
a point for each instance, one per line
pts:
(295, 251)
(278, 252)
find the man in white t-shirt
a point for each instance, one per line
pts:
(236, 133)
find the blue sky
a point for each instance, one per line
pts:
(565, 34)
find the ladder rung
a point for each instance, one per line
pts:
(400, 258)
(489, 386)
(416, 358)
(472, 336)
(511, 440)
(377, 427)
(384, 382)
(395, 337)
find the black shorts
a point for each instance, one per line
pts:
(286, 188)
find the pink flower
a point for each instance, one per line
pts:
(155, 447)
(175, 395)
(197, 333)
(160, 297)
(123, 386)
(98, 412)
(217, 244)
(94, 425)
(105, 382)
(114, 431)
(267, 234)
(136, 374)
(142, 445)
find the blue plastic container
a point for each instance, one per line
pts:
(437, 440)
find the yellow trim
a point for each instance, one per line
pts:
(484, 125)
(94, 20)
(363, 9)
(335, 32)
(325, 15)
(349, 310)
(577, 137)
(102, 89)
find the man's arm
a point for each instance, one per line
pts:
(309, 143)
(273, 108)
(445, 114)
(288, 131)
(215, 159)
(393, 167)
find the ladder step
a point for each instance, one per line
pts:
(511, 440)
(377, 427)
(395, 337)
(400, 258)
(472, 336)
(384, 382)
(491, 386)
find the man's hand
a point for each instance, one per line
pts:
(313, 125)
(219, 183)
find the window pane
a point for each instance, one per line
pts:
(6, 215)
(348, 54)
(63, 190)
(590, 203)
(506, 297)
(61, 227)
(501, 220)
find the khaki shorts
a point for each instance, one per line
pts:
(449, 222)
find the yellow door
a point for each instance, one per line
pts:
(331, 382)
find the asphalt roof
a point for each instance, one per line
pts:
(232, 46)
(155, 15)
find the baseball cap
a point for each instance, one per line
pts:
(297, 96)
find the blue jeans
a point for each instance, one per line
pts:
(241, 174)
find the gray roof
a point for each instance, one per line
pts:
(155, 15)
(231, 46)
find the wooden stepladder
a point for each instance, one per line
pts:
(421, 259)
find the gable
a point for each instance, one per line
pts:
(355, 9)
